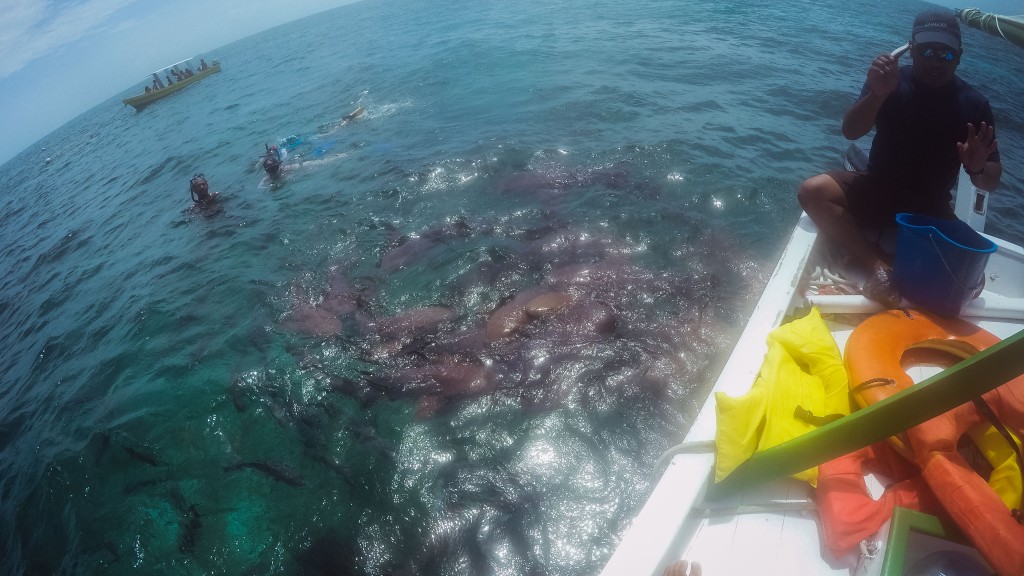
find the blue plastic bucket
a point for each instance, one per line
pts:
(939, 264)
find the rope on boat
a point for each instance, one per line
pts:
(698, 447)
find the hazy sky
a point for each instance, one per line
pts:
(59, 58)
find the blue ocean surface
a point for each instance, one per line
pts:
(333, 372)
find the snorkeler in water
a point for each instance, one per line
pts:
(199, 188)
(274, 157)
(272, 161)
(351, 116)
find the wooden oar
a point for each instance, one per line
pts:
(954, 386)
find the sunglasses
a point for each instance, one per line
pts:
(931, 52)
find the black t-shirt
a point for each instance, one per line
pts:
(917, 129)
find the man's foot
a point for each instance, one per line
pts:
(881, 287)
(682, 568)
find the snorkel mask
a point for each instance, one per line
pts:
(272, 160)
(195, 183)
(271, 165)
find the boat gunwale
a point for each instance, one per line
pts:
(656, 528)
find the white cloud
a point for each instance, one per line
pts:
(31, 28)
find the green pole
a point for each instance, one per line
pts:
(954, 386)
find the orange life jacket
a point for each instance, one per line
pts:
(873, 355)
(848, 512)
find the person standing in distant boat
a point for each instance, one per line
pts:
(202, 64)
(928, 123)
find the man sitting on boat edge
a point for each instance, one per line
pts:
(928, 122)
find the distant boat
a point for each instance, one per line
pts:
(186, 72)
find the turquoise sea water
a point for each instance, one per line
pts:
(239, 392)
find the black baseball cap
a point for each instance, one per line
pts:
(937, 26)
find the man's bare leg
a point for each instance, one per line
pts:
(823, 200)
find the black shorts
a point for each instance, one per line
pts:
(875, 202)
